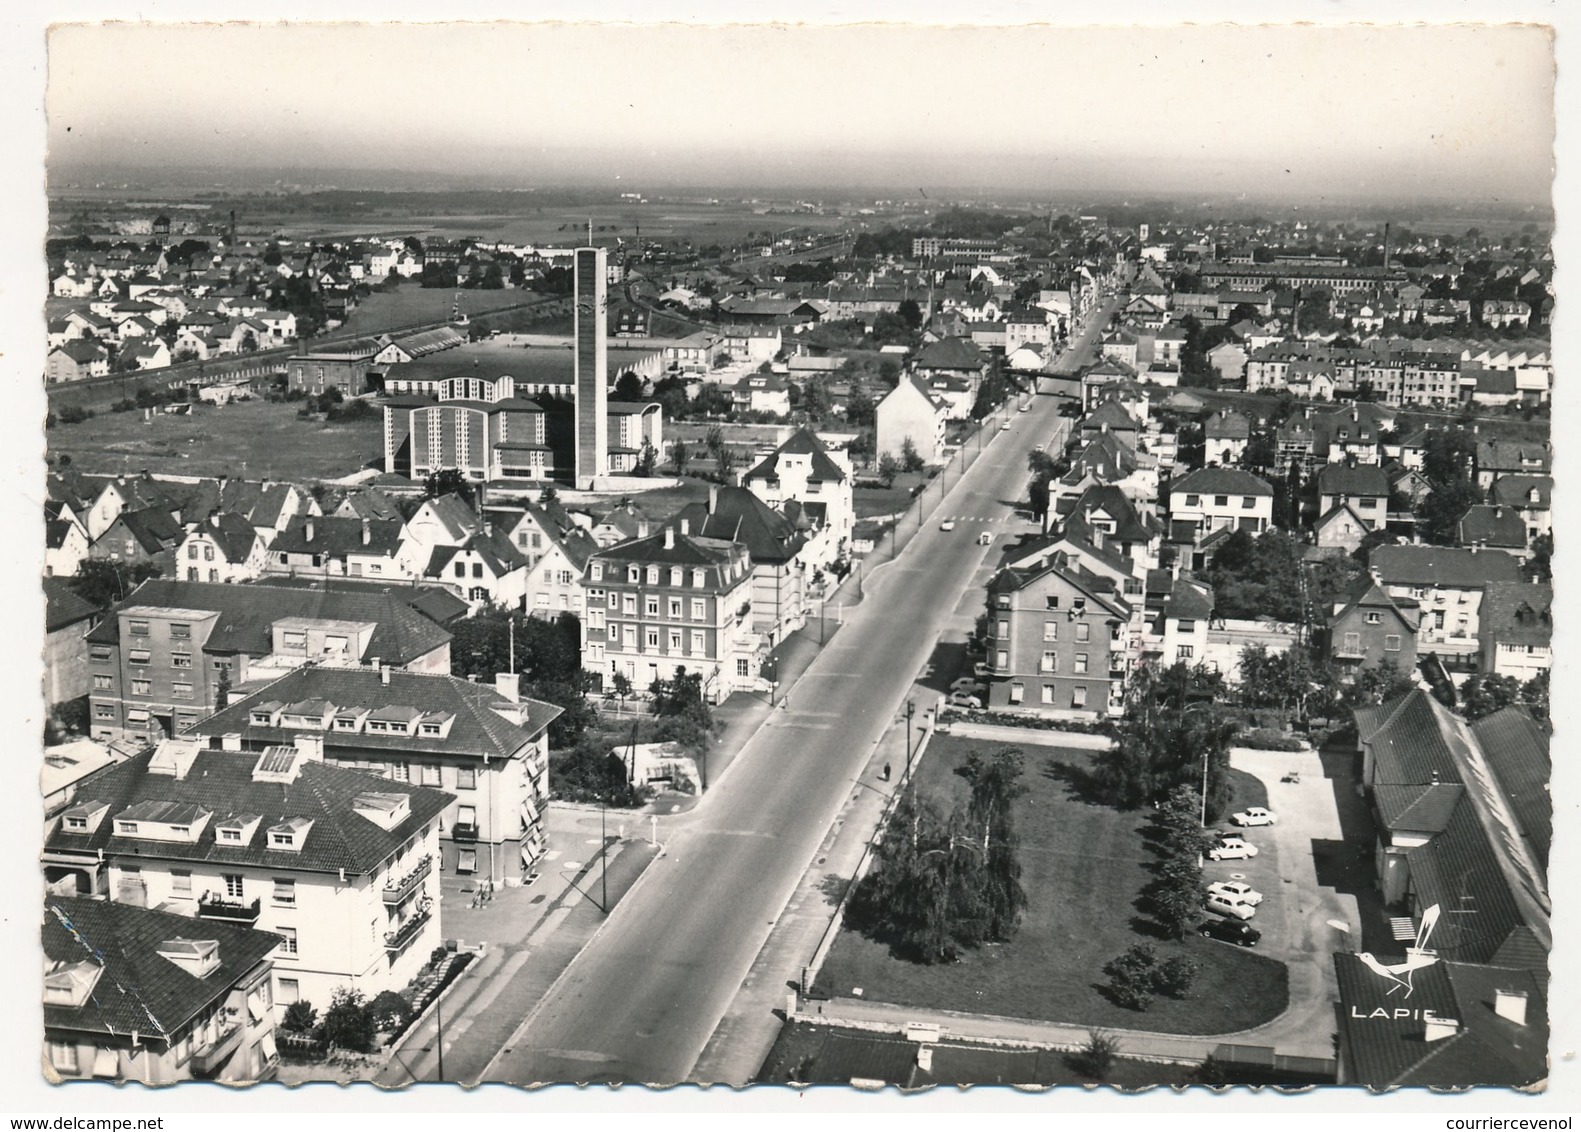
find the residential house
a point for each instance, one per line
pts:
(761, 393)
(335, 863)
(223, 548)
(1372, 629)
(447, 520)
(1228, 360)
(161, 661)
(65, 541)
(1517, 629)
(150, 354)
(781, 566)
(1532, 496)
(1056, 640)
(1363, 488)
(149, 535)
(76, 360)
(804, 481)
(1225, 437)
(626, 520)
(1214, 499)
(486, 746)
(954, 369)
(1110, 417)
(485, 570)
(1341, 527)
(671, 602)
(1499, 458)
(911, 411)
(1449, 584)
(137, 995)
(317, 546)
(556, 548)
(1488, 525)
(68, 619)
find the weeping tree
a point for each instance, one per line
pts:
(1171, 729)
(945, 881)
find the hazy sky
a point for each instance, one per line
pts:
(1439, 110)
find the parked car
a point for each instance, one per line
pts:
(1005, 427)
(1229, 847)
(1230, 908)
(1024, 409)
(947, 525)
(1236, 891)
(965, 699)
(966, 684)
(1231, 931)
(1254, 815)
(980, 670)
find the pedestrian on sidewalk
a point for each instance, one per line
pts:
(886, 772)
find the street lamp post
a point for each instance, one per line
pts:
(911, 710)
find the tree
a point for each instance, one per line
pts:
(911, 314)
(714, 440)
(1131, 976)
(815, 399)
(888, 468)
(448, 481)
(910, 459)
(249, 342)
(1439, 514)
(620, 685)
(647, 460)
(300, 1017)
(1378, 685)
(727, 464)
(1285, 680)
(348, 1024)
(1170, 726)
(101, 582)
(1257, 576)
(680, 456)
(1534, 694)
(996, 784)
(1488, 692)
(627, 388)
(389, 1011)
(1095, 1060)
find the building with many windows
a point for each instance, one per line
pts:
(1056, 637)
(335, 863)
(156, 664)
(672, 601)
(486, 746)
(1218, 499)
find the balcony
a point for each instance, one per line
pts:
(397, 891)
(1350, 652)
(464, 831)
(212, 906)
(208, 1060)
(401, 938)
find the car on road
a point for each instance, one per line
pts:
(966, 684)
(1230, 908)
(985, 538)
(1005, 427)
(1024, 409)
(965, 699)
(1231, 931)
(947, 525)
(1254, 815)
(1229, 847)
(1236, 891)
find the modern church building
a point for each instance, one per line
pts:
(472, 414)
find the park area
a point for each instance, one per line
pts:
(257, 439)
(1084, 868)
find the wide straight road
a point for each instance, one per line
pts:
(640, 1002)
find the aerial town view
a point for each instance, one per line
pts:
(972, 616)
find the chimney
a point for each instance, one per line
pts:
(669, 538)
(1440, 1028)
(713, 498)
(231, 741)
(509, 685)
(1510, 1005)
(310, 529)
(311, 746)
(925, 1058)
(367, 532)
(384, 674)
(373, 663)
(685, 526)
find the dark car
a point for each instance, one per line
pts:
(1231, 931)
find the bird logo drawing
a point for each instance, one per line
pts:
(1402, 975)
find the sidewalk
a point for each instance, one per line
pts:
(532, 934)
(746, 1033)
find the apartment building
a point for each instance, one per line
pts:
(671, 601)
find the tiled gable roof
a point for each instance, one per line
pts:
(1360, 479)
(139, 990)
(1516, 747)
(1486, 525)
(63, 606)
(1449, 566)
(736, 515)
(234, 535)
(221, 783)
(950, 353)
(1411, 745)
(339, 537)
(1221, 481)
(478, 729)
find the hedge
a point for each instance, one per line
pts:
(1265, 739)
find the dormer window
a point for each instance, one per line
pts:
(77, 823)
(261, 718)
(675, 576)
(126, 828)
(598, 571)
(653, 575)
(233, 836)
(431, 729)
(699, 578)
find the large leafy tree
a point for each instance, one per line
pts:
(1257, 576)
(996, 784)
(101, 582)
(1170, 731)
(548, 654)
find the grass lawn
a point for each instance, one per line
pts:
(659, 504)
(262, 437)
(873, 501)
(829, 1055)
(1083, 867)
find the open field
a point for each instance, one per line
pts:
(411, 304)
(252, 438)
(1083, 866)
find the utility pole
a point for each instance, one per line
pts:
(911, 710)
(603, 855)
(439, 1035)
